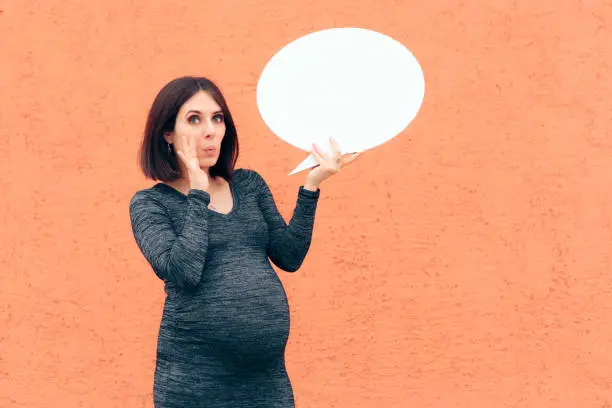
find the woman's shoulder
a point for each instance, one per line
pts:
(151, 195)
(248, 180)
(248, 176)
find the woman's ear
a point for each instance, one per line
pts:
(169, 137)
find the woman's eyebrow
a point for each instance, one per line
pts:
(198, 112)
(192, 111)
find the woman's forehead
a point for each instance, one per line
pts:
(201, 102)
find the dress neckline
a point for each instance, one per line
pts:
(184, 196)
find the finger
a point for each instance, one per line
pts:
(192, 144)
(324, 160)
(185, 143)
(324, 156)
(335, 147)
(349, 159)
(182, 156)
(315, 153)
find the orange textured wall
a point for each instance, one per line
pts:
(465, 263)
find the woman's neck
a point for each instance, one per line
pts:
(182, 184)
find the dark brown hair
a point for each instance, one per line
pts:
(156, 161)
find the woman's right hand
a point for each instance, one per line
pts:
(198, 179)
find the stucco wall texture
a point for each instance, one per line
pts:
(465, 263)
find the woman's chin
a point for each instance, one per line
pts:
(206, 162)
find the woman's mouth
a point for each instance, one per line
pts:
(210, 151)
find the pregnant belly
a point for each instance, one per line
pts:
(238, 317)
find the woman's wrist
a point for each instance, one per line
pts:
(310, 186)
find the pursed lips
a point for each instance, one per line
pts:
(210, 150)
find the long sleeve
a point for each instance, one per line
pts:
(178, 259)
(288, 244)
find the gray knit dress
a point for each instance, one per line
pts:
(225, 322)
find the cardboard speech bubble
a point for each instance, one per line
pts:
(359, 86)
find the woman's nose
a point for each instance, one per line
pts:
(208, 129)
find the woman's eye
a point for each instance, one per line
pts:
(219, 118)
(193, 120)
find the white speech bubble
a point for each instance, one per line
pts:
(359, 86)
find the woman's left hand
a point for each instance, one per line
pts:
(328, 165)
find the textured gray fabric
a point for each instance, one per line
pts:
(225, 322)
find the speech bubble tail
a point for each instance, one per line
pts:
(309, 162)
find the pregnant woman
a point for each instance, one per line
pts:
(209, 231)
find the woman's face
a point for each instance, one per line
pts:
(201, 119)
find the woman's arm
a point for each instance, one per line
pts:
(175, 258)
(288, 244)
